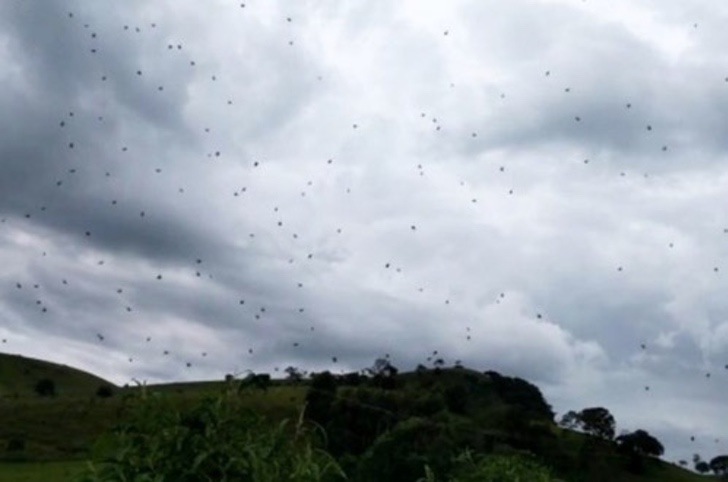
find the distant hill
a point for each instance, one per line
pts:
(399, 418)
(19, 376)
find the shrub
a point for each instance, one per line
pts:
(401, 453)
(216, 440)
(45, 387)
(494, 468)
(15, 444)
(104, 391)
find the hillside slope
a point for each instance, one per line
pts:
(19, 376)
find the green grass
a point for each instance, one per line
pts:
(59, 432)
(40, 471)
(18, 376)
(64, 428)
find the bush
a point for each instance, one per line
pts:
(15, 444)
(45, 387)
(216, 440)
(104, 391)
(494, 468)
(401, 453)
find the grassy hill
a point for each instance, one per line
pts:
(48, 438)
(19, 376)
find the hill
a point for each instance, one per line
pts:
(382, 425)
(19, 376)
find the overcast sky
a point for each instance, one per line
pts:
(534, 187)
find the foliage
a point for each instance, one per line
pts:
(357, 417)
(702, 466)
(494, 468)
(523, 394)
(456, 398)
(215, 441)
(45, 387)
(261, 381)
(367, 426)
(294, 374)
(641, 442)
(320, 397)
(719, 465)
(595, 421)
(570, 420)
(104, 391)
(384, 374)
(636, 446)
(401, 453)
(15, 444)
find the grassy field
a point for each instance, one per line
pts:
(40, 471)
(19, 374)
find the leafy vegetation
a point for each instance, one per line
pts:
(217, 440)
(440, 424)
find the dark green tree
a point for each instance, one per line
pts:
(353, 379)
(320, 398)
(294, 374)
(384, 374)
(401, 453)
(516, 391)
(104, 391)
(45, 387)
(261, 381)
(719, 465)
(702, 466)
(456, 398)
(570, 420)
(641, 442)
(636, 446)
(597, 421)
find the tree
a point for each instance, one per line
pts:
(597, 421)
(519, 392)
(104, 391)
(320, 397)
(719, 465)
(640, 442)
(45, 388)
(702, 467)
(260, 381)
(400, 453)
(570, 420)
(383, 374)
(294, 374)
(352, 379)
(382, 367)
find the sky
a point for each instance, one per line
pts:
(532, 187)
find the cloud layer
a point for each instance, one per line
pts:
(535, 187)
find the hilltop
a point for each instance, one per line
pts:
(19, 376)
(380, 424)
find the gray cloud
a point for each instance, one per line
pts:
(356, 181)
